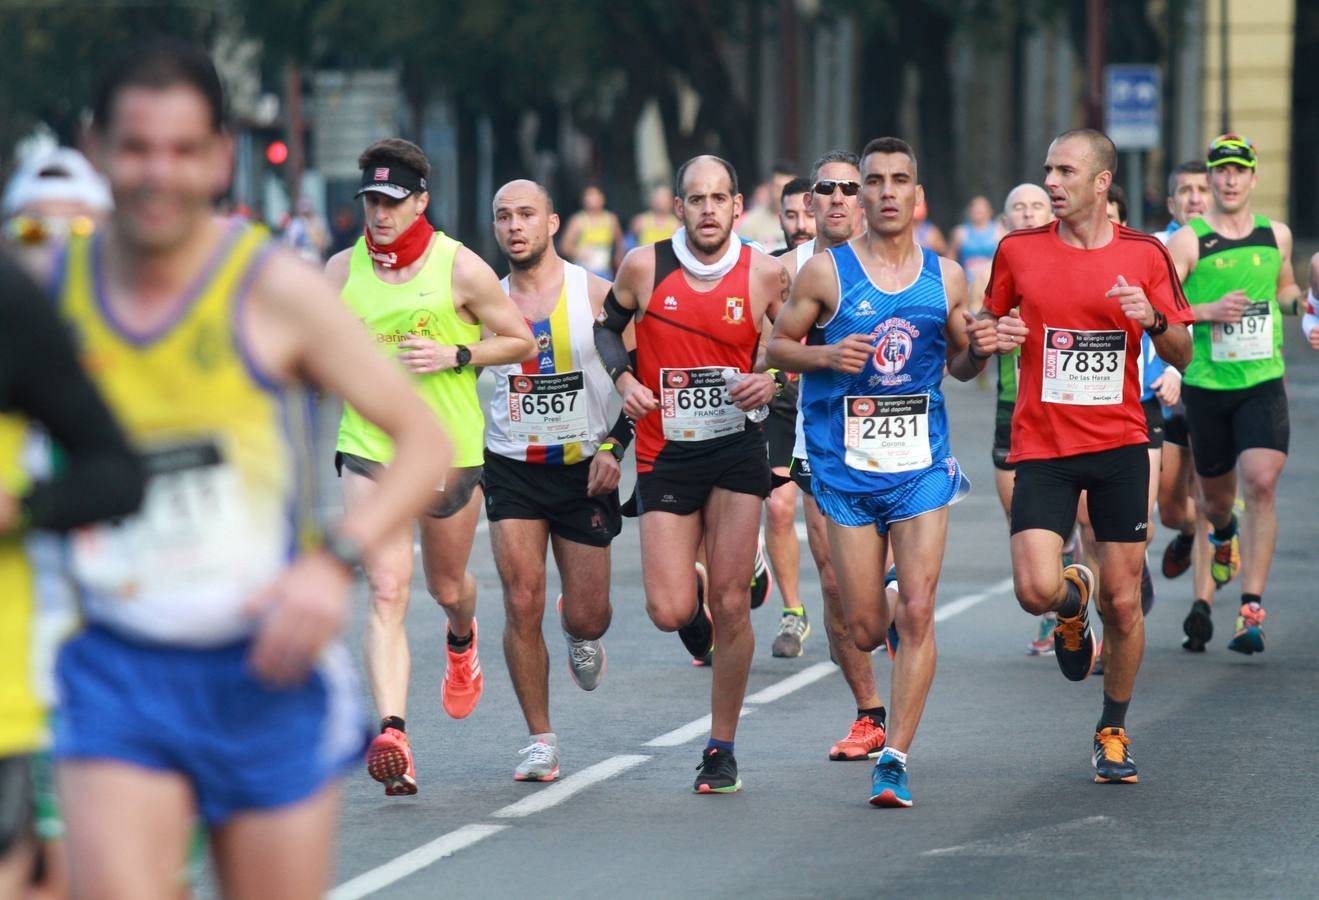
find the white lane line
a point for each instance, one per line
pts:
(689, 732)
(781, 689)
(962, 604)
(1035, 842)
(413, 861)
(560, 791)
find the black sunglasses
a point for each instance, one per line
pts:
(826, 187)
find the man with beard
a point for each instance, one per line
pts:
(551, 466)
(702, 474)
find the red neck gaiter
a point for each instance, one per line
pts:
(406, 249)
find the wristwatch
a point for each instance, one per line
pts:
(613, 448)
(342, 549)
(464, 357)
(1160, 325)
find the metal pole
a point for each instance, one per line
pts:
(1225, 115)
(1094, 27)
(1135, 190)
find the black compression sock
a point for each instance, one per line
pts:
(1114, 714)
(1184, 540)
(876, 715)
(460, 644)
(391, 722)
(1227, 532)
(1071, 603)
(1251, 598)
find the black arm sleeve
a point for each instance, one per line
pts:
(41, 379)
(609, 336)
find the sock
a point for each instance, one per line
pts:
(722, 746)
(391, 722)
(876, 715)
(1227, 532)
(795, 610)
(547, 737)
(1114, 714)
(896, 755)
(460, 644)
(1071, 603)
(1185, 540)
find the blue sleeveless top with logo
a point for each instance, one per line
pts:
(888, 423)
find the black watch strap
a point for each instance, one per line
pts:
(464, 357)
(1160, 325)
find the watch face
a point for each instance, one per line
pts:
(464, 356)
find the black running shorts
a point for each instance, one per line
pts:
(781, 427)
(1117, 482)
(683, 475)
(1003, 436)
(550, 493)
(1175, 431)
(1154, 424)
(800, 472)
(1224, 423)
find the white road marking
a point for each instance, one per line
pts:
(559, 791)
(413, 861)
(448, 844)
(689, 732)
(781, 689)
(1033, 842)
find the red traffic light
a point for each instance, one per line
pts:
(277, 152)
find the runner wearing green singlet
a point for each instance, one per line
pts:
(1237, 274)
(427, 301)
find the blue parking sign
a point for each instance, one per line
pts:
(1132, 101)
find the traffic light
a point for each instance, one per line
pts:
(277, 152)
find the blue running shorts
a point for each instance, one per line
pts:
(201, 712)
(942, 484)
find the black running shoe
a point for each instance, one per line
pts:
(1073, 641)
(698, 634)
(1177, 555)
(717, 773)
(1199, 627)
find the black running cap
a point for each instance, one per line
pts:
(392, 179)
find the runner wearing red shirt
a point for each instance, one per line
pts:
(1074, 295)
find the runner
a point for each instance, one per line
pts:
(1188, 198)
(1078, 423)
(838, 219)
(702, 473)
(974, 240)
(551, 467)
(1026, 206)
(1236, 267)
(202, 333)
(882, 316)
(656, 223)
(41, 384)
(398, 261)
(1310, 322)
(593, 238)
(795, 215)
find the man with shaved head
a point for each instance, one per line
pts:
(702, 473)
(1078, 424)
(551, 466)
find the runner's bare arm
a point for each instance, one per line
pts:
(476, 291)
(971, 341)
(1310, 322)
(626, 302)
(1184, 248)
(814, 297)
(1290, 298)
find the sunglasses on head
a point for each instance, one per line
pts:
(826, 187)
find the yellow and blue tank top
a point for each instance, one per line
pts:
(554, 407)
(21, 717)
(230, 491)
(887, 423)
(422, 306)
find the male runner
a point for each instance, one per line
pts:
(1236, 269)
(1078, 425)
(1026, 206)
(702, 474)
(835, 204)
(437, 309)
(882, 316)
(1188, 198)
(551, 466)
(780, 535)
(41, 383)
(1310, 321)
(208, 680)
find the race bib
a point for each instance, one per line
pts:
(1251, 338)
(548, 409)
(1083, 368)
(887, 434)
(190, 531)
(695, 406)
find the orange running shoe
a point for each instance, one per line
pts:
(389, 761)
(864, 741)
(463, 681)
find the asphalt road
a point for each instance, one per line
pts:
(1000, 770)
